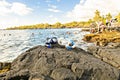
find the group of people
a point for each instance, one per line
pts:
(109, 25)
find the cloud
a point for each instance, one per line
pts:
(52, 19)
(4, 7)
(53, 8)
(86, 8)
(20, 9)
(7, 8)
(12, 21)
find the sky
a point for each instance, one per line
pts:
(28, 12)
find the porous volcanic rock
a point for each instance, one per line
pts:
(109, 54)
(41, 63)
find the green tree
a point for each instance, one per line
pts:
(118, 17)
(46, 25)
(57, 25)
(108, 16)
(90, 21)
(97, 16)
(103, 19)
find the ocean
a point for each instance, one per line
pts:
(15, 42)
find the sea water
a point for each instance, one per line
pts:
(14, 42)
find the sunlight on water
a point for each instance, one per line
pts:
(14, 42)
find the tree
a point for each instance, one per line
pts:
(97, 16)
(46, 25)
(74, 24)
(57, 25)
(108, 17)
(103, 19)
(118, 17)
(90, 21)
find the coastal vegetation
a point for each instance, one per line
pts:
(74, 24)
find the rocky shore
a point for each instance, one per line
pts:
(109, 53)
(103, 38)
(41, 63)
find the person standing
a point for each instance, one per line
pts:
(108, 24)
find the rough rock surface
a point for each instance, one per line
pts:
(41, 63)
(4, 66)
(109, 54)
(103, 38)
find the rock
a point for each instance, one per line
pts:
(113, 45)
(118, 28)
(89, 37)
(38, 76)
(18, 75)
(109, 54)
(5, 65)
(41, 63)
(63, 74)
(90, 68)
(102, 39)
(93, 50)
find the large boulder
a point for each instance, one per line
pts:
(109, 54)
(42, 63)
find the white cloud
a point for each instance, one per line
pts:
(7, 8)
(86, 8)
(9, 14)
(4, 7)
(53, 8)
(4, 3)
(52, 19)
(20, 9)
(12, 21)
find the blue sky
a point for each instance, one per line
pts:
(26, 12)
